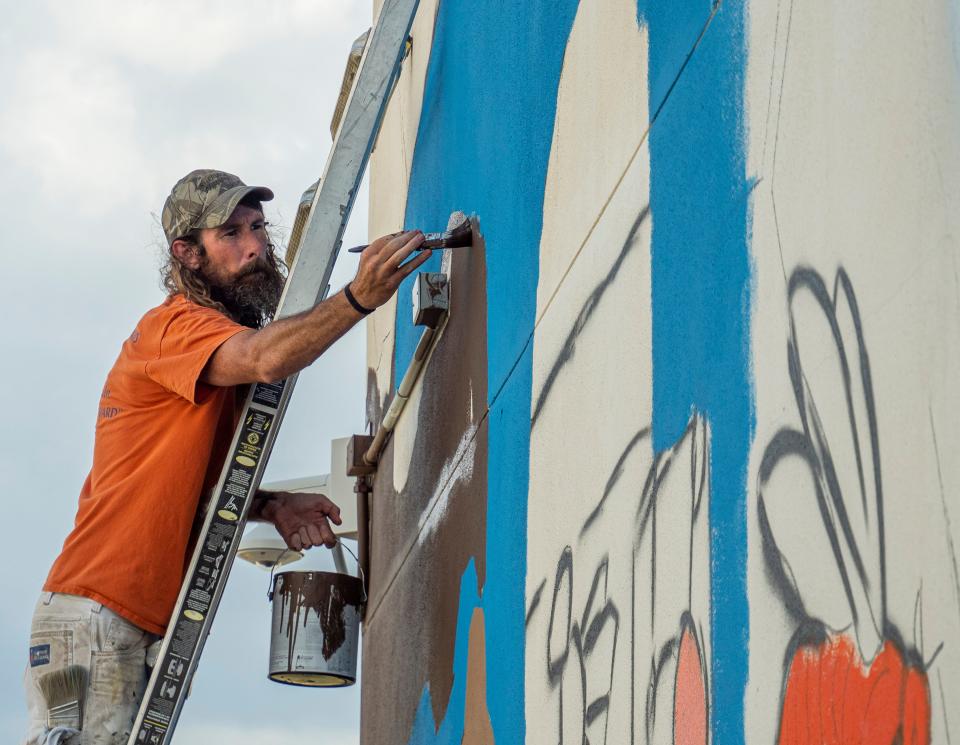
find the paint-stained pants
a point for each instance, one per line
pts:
(71, 630)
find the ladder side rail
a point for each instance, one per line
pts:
(356, 136)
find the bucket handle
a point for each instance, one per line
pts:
(363, 578)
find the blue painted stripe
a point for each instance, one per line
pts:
(701, 283)
(450, 730)
(483, 145)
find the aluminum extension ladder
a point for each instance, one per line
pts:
(266, 403)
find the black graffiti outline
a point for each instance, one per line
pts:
(584, 632)
(811, 447)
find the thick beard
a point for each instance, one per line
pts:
(250, 297)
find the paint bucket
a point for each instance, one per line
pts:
(316, 628)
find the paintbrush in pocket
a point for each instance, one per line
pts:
(64, 691)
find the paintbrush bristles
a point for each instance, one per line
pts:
(66, 684)
(459, 237)
(64, 691)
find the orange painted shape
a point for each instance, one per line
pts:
(689, 695)
(832, 698)
(916, 709)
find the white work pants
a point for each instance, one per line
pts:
(71, 630)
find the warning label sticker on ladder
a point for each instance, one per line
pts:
(206, 575)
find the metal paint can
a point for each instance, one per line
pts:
(316, 628)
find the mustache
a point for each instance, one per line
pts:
(260, 266)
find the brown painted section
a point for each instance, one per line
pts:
(410, 628)
(477, 729)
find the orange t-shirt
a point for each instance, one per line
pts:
(161, 438)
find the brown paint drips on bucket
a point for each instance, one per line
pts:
(316, 623)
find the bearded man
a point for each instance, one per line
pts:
(165, 421)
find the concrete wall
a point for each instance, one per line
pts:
(680, 467)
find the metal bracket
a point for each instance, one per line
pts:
(356, 449)
(431, 299)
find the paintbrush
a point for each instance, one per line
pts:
(460, 236)
(64, 691)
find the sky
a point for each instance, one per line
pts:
(103, 106)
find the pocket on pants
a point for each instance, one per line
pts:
(118, 634)
(51, 647)
(117, 683)
(56, 642)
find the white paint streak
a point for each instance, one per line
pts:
(470, 383)
(456, 470)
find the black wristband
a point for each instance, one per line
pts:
(353, 301)
(260, 502)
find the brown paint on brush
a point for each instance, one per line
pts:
(420, 579)
(325, 593)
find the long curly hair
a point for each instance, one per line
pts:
(179, 279)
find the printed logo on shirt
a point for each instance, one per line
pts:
(40, 655)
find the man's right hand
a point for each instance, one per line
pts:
(382, 269)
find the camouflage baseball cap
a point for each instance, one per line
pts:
(205, 199)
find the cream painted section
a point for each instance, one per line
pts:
(594, 142)
(853, 135)
(389, 179)
(592, 588)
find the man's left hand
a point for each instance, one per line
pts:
(302, 519)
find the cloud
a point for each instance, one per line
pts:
(186, 37)
(70, 122)
(98, 95)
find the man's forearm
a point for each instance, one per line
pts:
(281, 348)
(287, 346)
(302, 519)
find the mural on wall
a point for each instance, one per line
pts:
(854, 578)
(850, 675)
(619, 624)
(634, 640)
(622, 626)
(593, 559)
